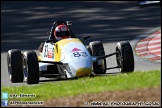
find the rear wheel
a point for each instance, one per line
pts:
(124, 57)
(31, 67)
(15, 67)
(96, 49)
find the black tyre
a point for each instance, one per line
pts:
(124, 56)
(32, 67)
(96, 49)
(15, 65)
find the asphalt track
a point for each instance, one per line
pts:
(25, 24)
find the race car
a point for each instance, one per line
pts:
(65, 59)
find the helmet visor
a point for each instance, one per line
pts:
(63, 33)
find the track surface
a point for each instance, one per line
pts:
(24, 25)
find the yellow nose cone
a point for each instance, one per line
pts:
(83, 72)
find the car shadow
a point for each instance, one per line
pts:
(89, 76)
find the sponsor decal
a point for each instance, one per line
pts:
(75, 49)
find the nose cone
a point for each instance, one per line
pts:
(83, 72)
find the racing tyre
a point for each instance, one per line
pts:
(124, 57)
(32, 67)
(96, 49)
(15, 67)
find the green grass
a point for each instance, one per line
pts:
(88, 85)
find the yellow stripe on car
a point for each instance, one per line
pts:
(60, 44)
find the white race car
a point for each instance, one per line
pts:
(67, 58)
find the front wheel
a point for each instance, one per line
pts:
(32, 67)
(96, 49)
(124, 57)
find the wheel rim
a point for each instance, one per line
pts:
(25, 69)
(103, 66)
(9, 67)
(119, 59)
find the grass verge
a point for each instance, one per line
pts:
(82, 85)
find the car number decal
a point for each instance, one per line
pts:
(78, 54)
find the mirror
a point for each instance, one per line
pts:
(69, 22)
(86, 37)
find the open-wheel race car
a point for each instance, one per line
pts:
(67, 58)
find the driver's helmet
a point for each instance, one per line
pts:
(61, 32)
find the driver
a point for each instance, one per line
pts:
(61, 32)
